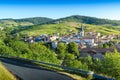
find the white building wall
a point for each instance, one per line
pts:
(89, 40)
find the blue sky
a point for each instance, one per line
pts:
(109, 9)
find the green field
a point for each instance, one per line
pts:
(62, 28)
(104, 29)
(65, 28)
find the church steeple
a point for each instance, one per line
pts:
(82, 28)
(82, 31)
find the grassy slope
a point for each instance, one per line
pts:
(103, 29)
(11, 23)
(64, 28)
(5, 74)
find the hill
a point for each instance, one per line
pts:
(23, 22)
(72, 23)
(41, 25)
(34, 20)
(88, 20)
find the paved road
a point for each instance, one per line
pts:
(30, 72)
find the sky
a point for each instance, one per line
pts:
(108, 9)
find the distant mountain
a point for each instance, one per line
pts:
(88, 20)
(23, 22)
(34, 20)
(44, 20)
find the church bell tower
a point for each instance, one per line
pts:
(82, 31)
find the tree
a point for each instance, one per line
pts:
(75, 64)
(111, 44)
(88, 61)
(61, 50)
(69, 56)
(110, 65)
(73, 48)
(105, 46)
(61, 56)
(19, 47)
(5, 50)
(42, 53)
(2, 35)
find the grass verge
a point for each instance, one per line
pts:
(5, 74)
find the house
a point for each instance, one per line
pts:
(53, 38)
(54, 44)
(81, 46)
(105, 40)
(74, 40)
(89, 40)
(65, 40)
(38, 39)
(29, 39)
(93, 34)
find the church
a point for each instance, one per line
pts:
(82, 32)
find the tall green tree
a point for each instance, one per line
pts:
(88, 61)
(110, 65)
(73, 48)
(61, 50)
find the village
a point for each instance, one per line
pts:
(82, 38)
(87, 42)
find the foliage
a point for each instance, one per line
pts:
(42, 53)
(70, 61)
(88, 61)
(73, 48)
(37, 51)
(107, 45)
(110, 65)
(2, 35)
(76, 64)
(61, 50)
(4, 50)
